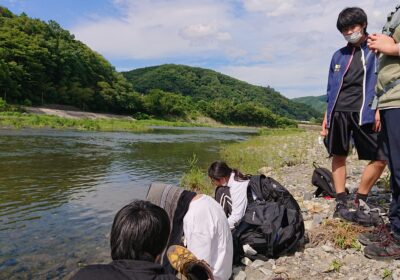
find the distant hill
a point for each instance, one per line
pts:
(316, 102)
(204, 84)
(41, 63)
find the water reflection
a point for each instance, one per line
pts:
(59, 191)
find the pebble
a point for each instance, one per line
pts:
(240, 276)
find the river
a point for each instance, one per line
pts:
(59, 190)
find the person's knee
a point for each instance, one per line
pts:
(339, 160)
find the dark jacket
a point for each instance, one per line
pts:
(339, 65)
(124, 270)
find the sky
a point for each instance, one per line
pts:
(284, 44)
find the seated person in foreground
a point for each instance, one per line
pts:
(201, 222)
(139, 234)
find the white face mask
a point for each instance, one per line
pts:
(354, 37)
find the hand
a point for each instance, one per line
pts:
(383, 44)
(324, 129)
(377, 124)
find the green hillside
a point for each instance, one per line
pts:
(316, 102)
(203, 84)
(41, 63)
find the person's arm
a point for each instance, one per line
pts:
(324, 129)
(383, 44)
(239, 202)
(324, 125)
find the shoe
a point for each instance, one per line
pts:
(366, 218)
(378, 234)
(183, 261)
(343, 212)
(372, 207)
(386, 250)
(362, 215)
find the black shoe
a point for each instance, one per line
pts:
(386, 250)
(378, 234)
(343, 212)
(367, 218)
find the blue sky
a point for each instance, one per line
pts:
(285, 44)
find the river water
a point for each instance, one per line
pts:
(59, 190)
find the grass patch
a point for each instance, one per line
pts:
(344, 235)
(274, 148)
(195, 179)
(387, 273)
(335, 265)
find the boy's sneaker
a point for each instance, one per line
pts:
(362, 215)
(378, 234)
(343, 212)
(386, 250)
(367, 218)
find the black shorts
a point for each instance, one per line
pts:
(344, 127)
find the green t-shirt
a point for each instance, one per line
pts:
(389, 71)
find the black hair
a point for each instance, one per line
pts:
(140, 231)
(351, 16)
(219, 169)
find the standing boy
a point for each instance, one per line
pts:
(351, 87)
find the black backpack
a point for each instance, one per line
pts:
(273, 224)
(323, 180)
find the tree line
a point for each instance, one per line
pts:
(41, 63)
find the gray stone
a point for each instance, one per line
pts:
(268, 273)
(327, 248)
(240, 276)
(257, 263)
(317, 220)
(246, 261)
(308, 196)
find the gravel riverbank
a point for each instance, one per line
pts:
(322, 258)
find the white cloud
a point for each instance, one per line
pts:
(270, 7)
(286, 44)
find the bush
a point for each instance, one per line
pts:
(195, 179)
(3, 105)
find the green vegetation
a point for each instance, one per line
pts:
(387, 274)
(275, 148)
(219, 96)
(344, 235)
(316, 102)
(41, 63)
(195, 179)
(336, 265)
(21, 120)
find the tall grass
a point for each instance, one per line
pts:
(274, 148)
(196, 179)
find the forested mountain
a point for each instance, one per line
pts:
(203, 84)
(41, 63)
(316, 102)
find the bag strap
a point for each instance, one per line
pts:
(315, 164)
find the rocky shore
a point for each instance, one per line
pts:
(321, 258)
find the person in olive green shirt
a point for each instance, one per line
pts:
(384, 243)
